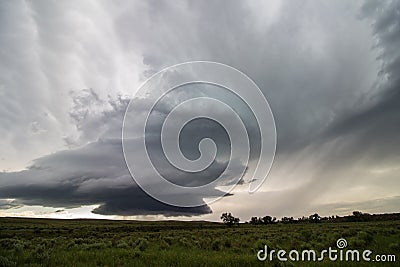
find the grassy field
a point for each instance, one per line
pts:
(44, 242)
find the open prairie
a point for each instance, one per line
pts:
(48, 242)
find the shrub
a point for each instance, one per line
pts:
(168, 240)
(306, 235)
(18, 248)
(205, 243)
(136, 253)
(123, 244)
(163, 244)
(349, 233)
(367, 237)
(357, 242)
(216, 245)
(5, 262)
(10, 243)
(185, 242)
(98, 245)
(394, 247)
(227, 243)
(79, 241)
(260, 244)
(142, 244)
(41, 253)
(71, 244)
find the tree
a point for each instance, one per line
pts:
(229, 220)
(357, 213)
(303, 219)
(254, 220)
(268, 220)
(315, 218)
(287, 220)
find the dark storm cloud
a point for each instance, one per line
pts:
(96, 173)
(93, 174)
(143, 205)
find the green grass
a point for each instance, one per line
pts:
(43, 242)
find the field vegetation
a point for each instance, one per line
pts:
(47, 242)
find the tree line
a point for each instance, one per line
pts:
(356, 216)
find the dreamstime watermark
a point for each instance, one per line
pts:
(333, 254)
(152, 152)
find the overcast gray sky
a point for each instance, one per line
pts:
(329, 69)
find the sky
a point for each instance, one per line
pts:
(330, 71)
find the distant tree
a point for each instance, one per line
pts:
(324, 218)
(302, 219)
(315, 218)
(268, 219)
(358, 216)
(357, 213)
(287, 220)
(229, 220)
(254, 220)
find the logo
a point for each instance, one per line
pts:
(332, 254)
